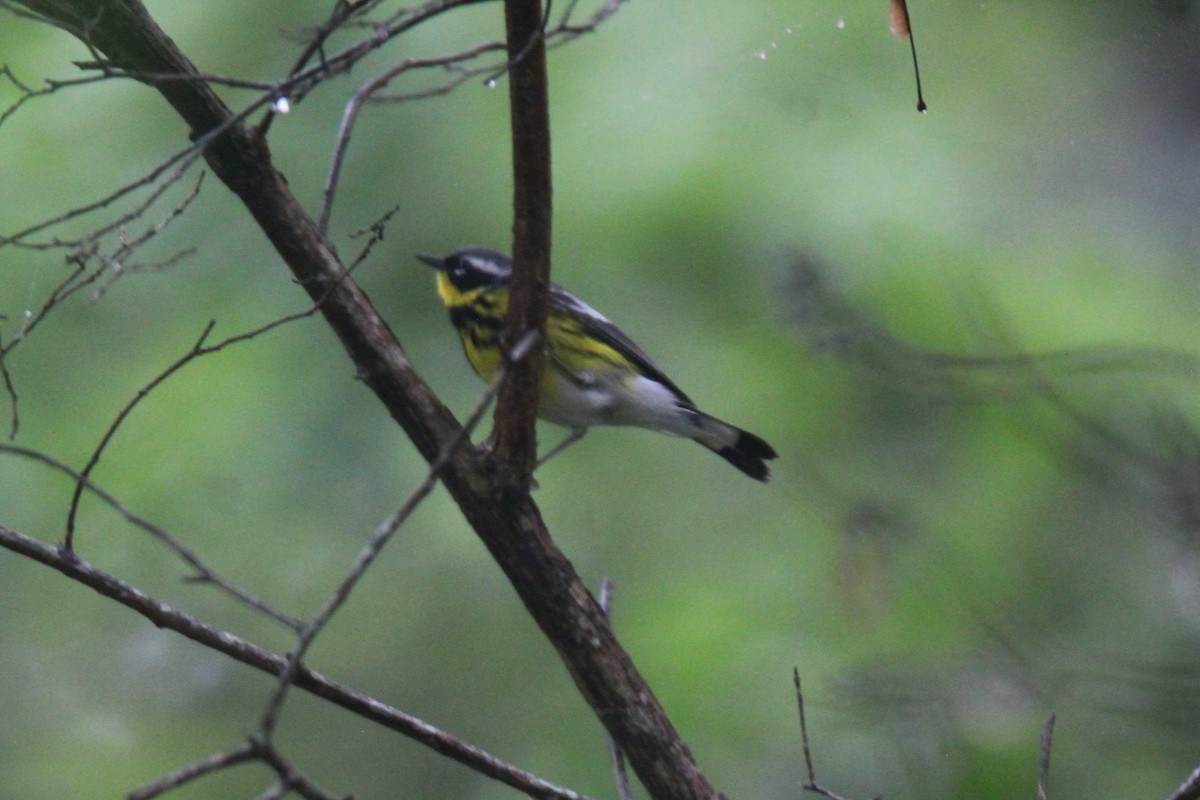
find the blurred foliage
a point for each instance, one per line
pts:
(969, 333)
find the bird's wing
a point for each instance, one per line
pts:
(597, 325)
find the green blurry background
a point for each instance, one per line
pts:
(949, 550)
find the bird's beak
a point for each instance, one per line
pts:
(433, 261)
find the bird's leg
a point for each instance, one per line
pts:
(574, 436)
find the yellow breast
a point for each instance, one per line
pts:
(580, 370)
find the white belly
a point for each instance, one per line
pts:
(590, 400)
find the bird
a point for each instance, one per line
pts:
(593, 372)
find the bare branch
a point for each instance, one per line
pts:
(304, 78)
(342, 13)
(565, 30)
(198, 769)
(83, 250)
(203, 573)
(165, 616)
(294, 88)
(374, 233)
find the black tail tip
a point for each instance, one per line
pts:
(749, 454)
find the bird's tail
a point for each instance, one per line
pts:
(741, 448)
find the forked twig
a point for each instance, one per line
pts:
(94, 459)
(197, 350)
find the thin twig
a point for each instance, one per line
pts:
(203, 573)
(342, 13)
(28, 93)
(565, 31)
(380, 538)
(109, 70)
(1043, 787)
(304, 79)
(198, 349)
(290, 778)
(10, 389)
(69, 285)
(811, 785)
(374, 233)
(537, 36)
(615, 754)
(198, 769)
(83, 249)
(114, 265)
(184, 158)
(181, 160)
(354, 106)
(142, 393)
